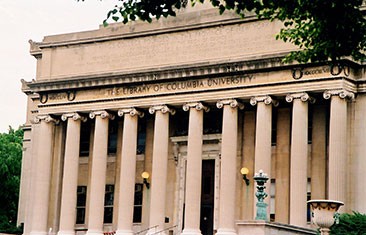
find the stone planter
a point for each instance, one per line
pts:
(323, 213)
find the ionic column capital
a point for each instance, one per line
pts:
(162, 108)
(130, 111)
(197, 105)
(343, 94)
(232, 102)
(266, 99)
(102, 113)
(74, 116)
(303, 96)
(47, 118)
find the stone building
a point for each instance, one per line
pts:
(189, 101)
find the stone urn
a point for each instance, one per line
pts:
(324, 213)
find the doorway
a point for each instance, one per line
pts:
(207, 197)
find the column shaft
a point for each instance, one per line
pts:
(228, 171)
(39, 213)
(358, 173)
(70, 178)
(299, 157)
(318, 154)
(194, 173)
(337, 149)
(263, 147)
(98, 176)
(159, 171)
(248, 161)
(282, 197)
(127, 175)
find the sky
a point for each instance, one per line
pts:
(21, 20)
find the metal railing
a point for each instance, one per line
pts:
(163, 230)
(147, 229)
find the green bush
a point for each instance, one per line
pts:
(350, 224)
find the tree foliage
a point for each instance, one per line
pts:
(322, 29)
(350, 224)
(10, 167)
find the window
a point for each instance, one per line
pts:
(272, 194)
(308, 197)
(137, 210)
(141, 136)
(310, 125)
(85, 130)
(112, 136)
(212, 121)
(274, 127)
(180, 123)
(80, 205)
(108, 204)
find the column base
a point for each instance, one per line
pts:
(191, 232)
(226, 231)
(94, 232)
(70, 232)
(124, 232)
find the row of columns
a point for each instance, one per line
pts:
(298, 171)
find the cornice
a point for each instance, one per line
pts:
(150, 31)
(239, 67)
(188, 71)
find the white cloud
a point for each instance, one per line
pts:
(21, 20)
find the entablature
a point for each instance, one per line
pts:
(247, 68)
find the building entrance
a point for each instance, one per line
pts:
(207, 197)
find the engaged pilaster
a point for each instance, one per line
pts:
(263, 147)
(299, 157)
(194, 167)
(337, 143)
(228, 165)
(42, 179)
(128, 170)
(70, 175)
(98, 172)
(159, 166)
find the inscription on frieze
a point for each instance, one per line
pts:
(178, 86)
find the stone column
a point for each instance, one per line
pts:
(299, 158)
(263, 138)
(70, 175)
(337, 162)
(228, 166)
(42, 180)
(282, 193)
(98, 171)
(128, 170)
(194, 168)
(358, 173)
(159, 166)
(319, 153)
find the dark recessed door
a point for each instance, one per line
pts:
(207, 197)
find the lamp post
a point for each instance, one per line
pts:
(324, 213)
(261, 178)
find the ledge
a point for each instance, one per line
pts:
(260, 227)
